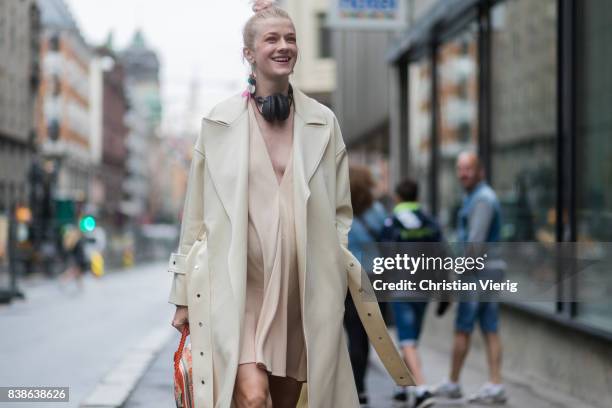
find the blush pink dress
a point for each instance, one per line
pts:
(273, 335)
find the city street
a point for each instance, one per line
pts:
(125, 136)
(59, 337)
(155, 388)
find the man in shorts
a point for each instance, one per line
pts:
(479, 220)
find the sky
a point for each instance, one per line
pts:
(199, 44)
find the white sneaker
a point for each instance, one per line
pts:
(489, 394)
(448, 390)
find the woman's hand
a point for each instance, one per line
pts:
(181, 317)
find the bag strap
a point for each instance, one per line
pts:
(179, 352)
(374, 325)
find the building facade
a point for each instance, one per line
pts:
(526, 85)
(315, 72)
(362, 97)
(114, 149)
(19, 76)
(143, 92)
(62, 108)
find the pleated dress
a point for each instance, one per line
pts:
(273, 337)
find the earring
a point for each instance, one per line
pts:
(251, 83)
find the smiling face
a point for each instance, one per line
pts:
(275, 48)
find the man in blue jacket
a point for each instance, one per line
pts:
(479, 220)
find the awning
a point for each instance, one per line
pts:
(442, 14)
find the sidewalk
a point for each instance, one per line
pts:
(436, 365)
(155, 389)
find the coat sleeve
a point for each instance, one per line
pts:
(344, 208)
(191, 227)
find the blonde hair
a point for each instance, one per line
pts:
(263, 9)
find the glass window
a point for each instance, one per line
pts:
(458, 117)
(523, 117)
(594, 153)
(419, 79)
(324, 36)
(523, 122)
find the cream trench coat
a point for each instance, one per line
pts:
(210, 266)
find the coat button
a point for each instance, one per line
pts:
(201, 353)
(203, 382)
(200, 324)
(351, 264)
(198, 295)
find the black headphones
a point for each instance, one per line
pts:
(275, 107)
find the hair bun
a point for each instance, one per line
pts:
(259, 5)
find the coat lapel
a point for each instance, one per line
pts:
(225, 137)
(226, 148)
(311, 135)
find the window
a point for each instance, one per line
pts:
(523, 124)
(324, 36)
(458, 117)
(523, 117)
(594, 153)
(419, 80)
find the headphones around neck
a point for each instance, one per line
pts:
(274, 107)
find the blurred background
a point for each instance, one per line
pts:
(100, 104)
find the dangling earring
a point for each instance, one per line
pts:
(251, 83)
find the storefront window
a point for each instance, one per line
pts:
(420, 127)
(458, 117)
(523, 117)
(594, 153)
(523, 125)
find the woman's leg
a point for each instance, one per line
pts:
(285, 391)
(251, 388)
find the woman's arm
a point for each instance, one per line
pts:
(191, 227)
(344, 208)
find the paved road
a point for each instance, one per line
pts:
(64, 338)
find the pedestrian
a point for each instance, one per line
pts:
(368, 221)
(74, 245)
(263, 265)
(410, 223)
(479, 220)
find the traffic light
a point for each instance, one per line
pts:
(87, 223)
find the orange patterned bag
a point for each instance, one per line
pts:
(183, 385)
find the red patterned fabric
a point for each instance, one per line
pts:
(183, 384)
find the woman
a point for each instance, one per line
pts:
(369, 217)
(262, 267)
